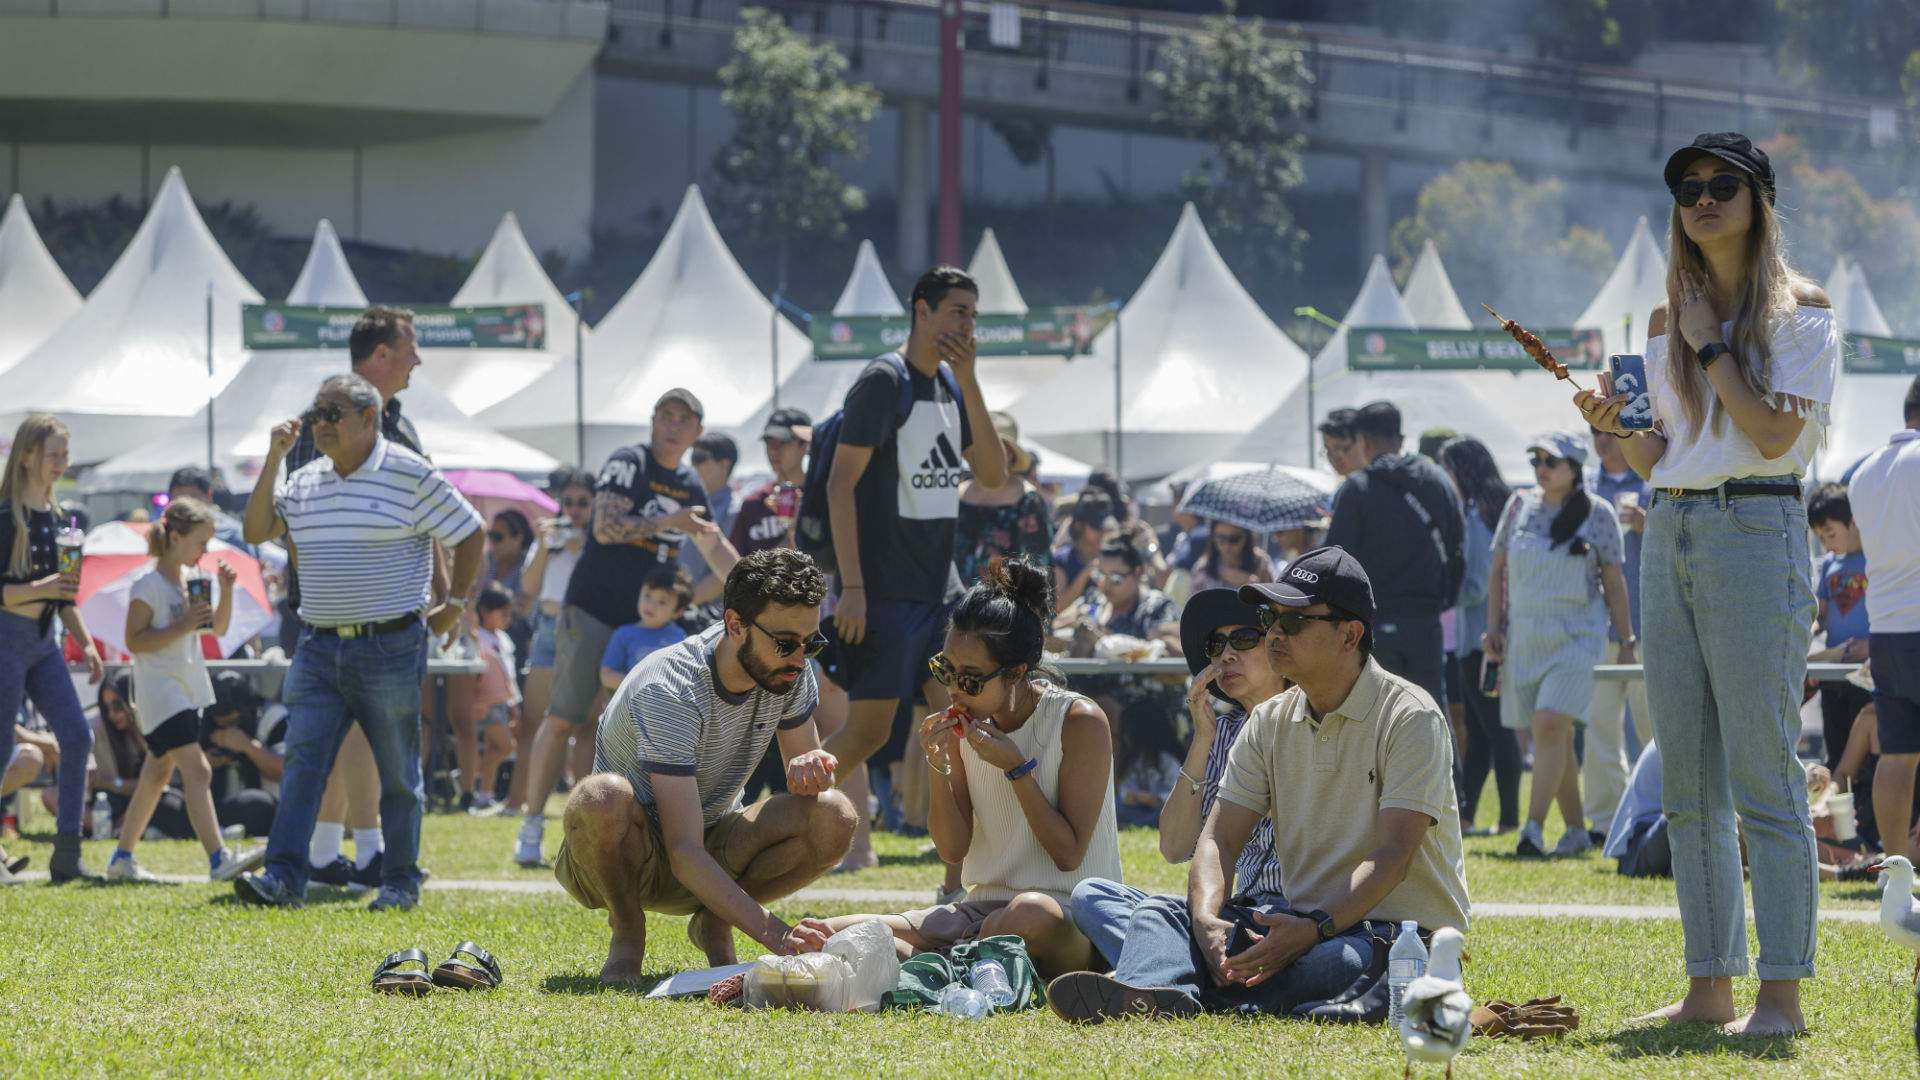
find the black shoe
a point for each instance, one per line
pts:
(1598, 836)
(264, 890)
(368, 876)
(1369, 1007)
(1086, 997)
(338, 872)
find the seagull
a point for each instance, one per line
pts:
(1899, 919)
(1438, 1013)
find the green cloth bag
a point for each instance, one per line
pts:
(924, 975)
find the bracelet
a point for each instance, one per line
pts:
(1191, 782)
(1022, 769)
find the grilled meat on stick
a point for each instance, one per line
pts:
(1534, 346)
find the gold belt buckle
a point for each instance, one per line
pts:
(1674, 493)
(347, 632)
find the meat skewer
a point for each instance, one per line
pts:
(1535, 348)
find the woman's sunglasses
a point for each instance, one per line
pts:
(1292, 622)
(1721, 187)
(970, 685)
(577, 504)
(783, 645)
(1543, 461)
(1244, 639)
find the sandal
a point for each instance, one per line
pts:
(393, 977)
(457, 974)
(16, 865)
(1540, 1018)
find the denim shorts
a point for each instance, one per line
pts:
(540, 653)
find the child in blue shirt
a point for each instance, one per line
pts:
(664, 594)
(1842, 593)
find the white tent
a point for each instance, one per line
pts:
(1198, 362)
(1430, 297)
(35, 297)
(278, 384)
(510, 273)
(867, 291)
(1637, 285)
(693, 319)
(998, 294)
(1866, 408)
(134, 357)
(1839, 284)
(1861, 313)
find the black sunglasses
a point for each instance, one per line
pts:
(330, 412)
(1542, 461)
(1721, 187)
(1245, 639)
(577, 504)
(784, 645)
(946, 675)
(1292, 622)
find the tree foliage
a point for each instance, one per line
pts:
(1236, 88)
(1506, 242)
(794, 109)
(1832, 215)
(1850, 46)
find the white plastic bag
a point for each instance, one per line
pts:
(867, 947)
(818, 981)
(1128, 649)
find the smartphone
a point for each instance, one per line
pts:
(1489, 677)
(1629, 374)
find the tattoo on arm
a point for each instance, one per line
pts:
(614, 521)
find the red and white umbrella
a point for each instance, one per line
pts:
(114, 557)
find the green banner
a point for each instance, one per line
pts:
(1381, 349)
(1868, 355)
(1061, 331)
(291, 326)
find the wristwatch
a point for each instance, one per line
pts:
(458, 603)
(1711, 353)
(1324, 922)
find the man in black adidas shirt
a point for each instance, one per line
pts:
(893, 495)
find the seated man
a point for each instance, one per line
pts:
(659, 826)
(1354, 765)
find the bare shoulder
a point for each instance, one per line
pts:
(1657, 322)
(1087, 717)
(1809, 294)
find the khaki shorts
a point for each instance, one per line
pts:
(948, 925)
(579, 643)
(650, 880)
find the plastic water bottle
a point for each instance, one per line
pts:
(1406, 962)
(965, 1002)
(988, 977)
(102, 817)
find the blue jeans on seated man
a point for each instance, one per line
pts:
(333, 682)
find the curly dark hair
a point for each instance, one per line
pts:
(776, 576)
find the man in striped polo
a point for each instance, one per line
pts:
(362, 520)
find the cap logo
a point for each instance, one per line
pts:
(1307, 576)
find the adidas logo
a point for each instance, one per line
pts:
(943, 467)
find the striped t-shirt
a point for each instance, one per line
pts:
(365, 541)
(1256, 873)
(672, 717)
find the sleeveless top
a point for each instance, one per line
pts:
(1005, 858)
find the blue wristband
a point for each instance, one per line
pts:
(1022, 769)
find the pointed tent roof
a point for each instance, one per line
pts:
(135, 355)
(1838, 284)
(1198, 359)
(1866, 408)
(693, 319)
(998, 294)
(1637, 285)
(1429, 294)
(275, 385)
(867, 291)
(1861, 313)
(1378, 306)
(508, 272)
(35, 296)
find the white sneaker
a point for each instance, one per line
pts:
(129, 869)
(1574, 842)
(6, 875)
(527, 851)
(232, 866)
(1530, 845)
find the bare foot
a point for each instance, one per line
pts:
(1692, 1009)
(623, 963)
(712, 936)
(1765, 1022)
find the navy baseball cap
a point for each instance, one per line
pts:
(1325, 575)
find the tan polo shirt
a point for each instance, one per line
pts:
(1386, 747)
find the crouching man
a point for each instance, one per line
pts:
(1355, 768)
(659, 826)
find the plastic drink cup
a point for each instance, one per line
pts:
(786, 501)
(200, 591)
(69, 543)
(1845, 825)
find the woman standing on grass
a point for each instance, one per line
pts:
(1491, 746)
(1741, 362)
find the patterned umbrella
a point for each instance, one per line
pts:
(1266, 501)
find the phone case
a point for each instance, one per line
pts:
(1629, 374)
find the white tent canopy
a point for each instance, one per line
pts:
(278, 384)
(508, 272)
(1430, 297)
(867, 291)
(134, 357)
(1866, 408)
(1198, 362)
(1856, 307)
(1637, 285)
(35, 296)
(693, 319)
(998, 294)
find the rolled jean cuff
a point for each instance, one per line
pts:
(1730, 968)
(1783, 972)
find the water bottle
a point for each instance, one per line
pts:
(988, 977)
(965, 1002)
(102, 817)
(1406, 962)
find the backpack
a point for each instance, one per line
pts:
(813, 529)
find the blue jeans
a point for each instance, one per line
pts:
(1102, 909)
(1726, 610)
(32, 668)
(332, 682)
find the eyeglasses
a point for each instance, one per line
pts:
(330, 412)
(1113, 579)
(1721, 187)
(577, 504)
(1292, 622)
(971, 685)
(1245, 639)
(1543, 461)
(784, 644)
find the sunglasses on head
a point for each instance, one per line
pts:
(330, 412)
(785, 644)
(1292, 622)
(1243, 639)
(946, 675)
(1721, 187)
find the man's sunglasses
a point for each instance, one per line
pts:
(1721, 187)
(970, 685)
(1292, 622)
(1245, 639)
(784, 644)
(330, 412)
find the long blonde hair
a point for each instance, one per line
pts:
(29, 446)
(182, 516)
(1765, 299)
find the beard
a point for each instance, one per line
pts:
(767, 676)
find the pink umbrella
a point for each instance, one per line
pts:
(115, 555)
(491, 491)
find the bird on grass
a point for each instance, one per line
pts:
(1899, 918)
(1438, 1016)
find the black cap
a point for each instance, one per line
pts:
(1206, 611)
(789, 425)
(684, 397)
(1325, 575)
(1729, 146)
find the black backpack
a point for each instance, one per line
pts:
(813, 529)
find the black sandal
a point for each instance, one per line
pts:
(457, 974)
(19, 864)
(392, 978)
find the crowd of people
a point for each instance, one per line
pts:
(869, 636)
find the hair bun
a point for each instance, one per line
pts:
(1023, 582)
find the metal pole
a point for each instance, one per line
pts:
(210, 466)
(577, 298)
(951, 27)
(773, 334)
(1119, 430)
(1333, 327)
